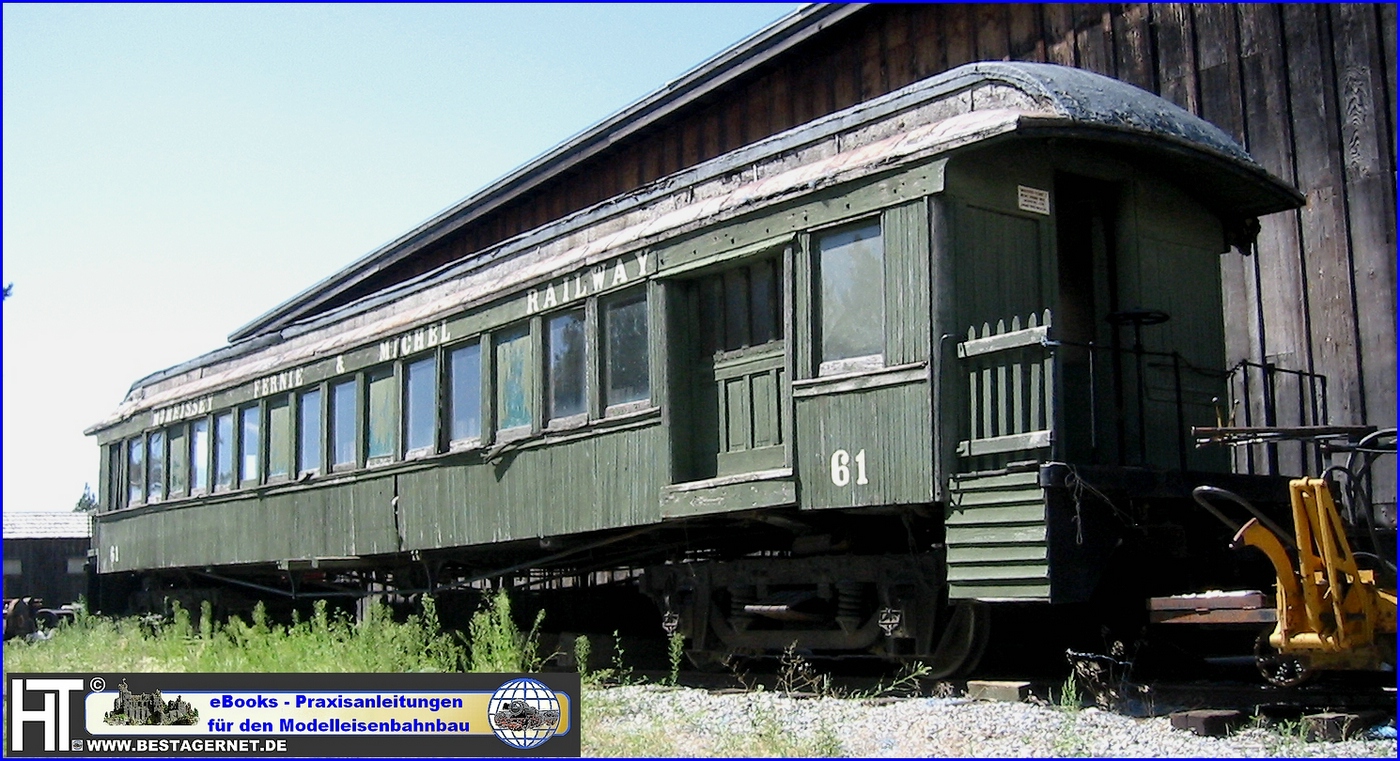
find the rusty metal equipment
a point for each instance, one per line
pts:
(1331, 614)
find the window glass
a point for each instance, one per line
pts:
(250, 432)
(513, 378)
(382, 424)
(135, 470)
(199, 455)
(565, 365)
(179, 461)
(420, 403)
(155, 466)
(465, 369)
(343, 423)
(115, 482)
(626, 372)
(223, 450)
(309, 431)
(279, 436)
(852, 293)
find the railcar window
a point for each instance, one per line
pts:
(199, 456)
(223, 451)
(135, 470)
(115, 481)
(179, 461)
(513, 378)
(420, 404)
(852, 294)
(465, 369)
(279, 437)
(566, 365)
(626, 370)
(309, 432)
(155, 466)
(381, 423)
(250, 435)
(343, 424)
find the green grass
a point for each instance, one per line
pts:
(324, 643)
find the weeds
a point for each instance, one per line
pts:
(325, 642)
(675, 650)
(582, 650)
(797, 675)
(497, 644)
(1069, 699)
(905, 682)
(621, 672)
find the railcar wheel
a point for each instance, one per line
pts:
(1278, 669)
(964, 641)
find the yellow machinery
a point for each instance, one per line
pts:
(1331, 615)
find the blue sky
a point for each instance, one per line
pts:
(172, 172)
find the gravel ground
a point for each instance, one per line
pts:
(650, 720)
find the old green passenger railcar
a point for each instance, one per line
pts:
(841, 387)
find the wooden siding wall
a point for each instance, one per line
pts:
(44, 569)
(1306, 88)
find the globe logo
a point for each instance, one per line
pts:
(523, 713)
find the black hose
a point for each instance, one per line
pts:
(1360, 494)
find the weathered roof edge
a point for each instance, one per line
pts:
(704, 79)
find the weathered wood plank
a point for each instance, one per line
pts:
(733, 125)
(1025, 32)
(988, 573)
(1263, 71)
(757, 111)
(897, 32)
(992, 42)
(1328, 278)
(1176, 61)
(780, 103)
(928, 30)
(846, 77)
(1387, 24)
(873, 78)
(1217, 44)
(1059, 33)
(1012, 339)
(1370, 197)
(1134, 53)
(958, 35)
(1017, 442)
(1093, 38)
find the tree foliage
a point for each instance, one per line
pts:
(86, 503)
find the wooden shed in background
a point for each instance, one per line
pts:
(1307, 88)
(46, 555)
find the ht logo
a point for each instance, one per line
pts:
(54, 715)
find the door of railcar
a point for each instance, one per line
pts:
(736, 367)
